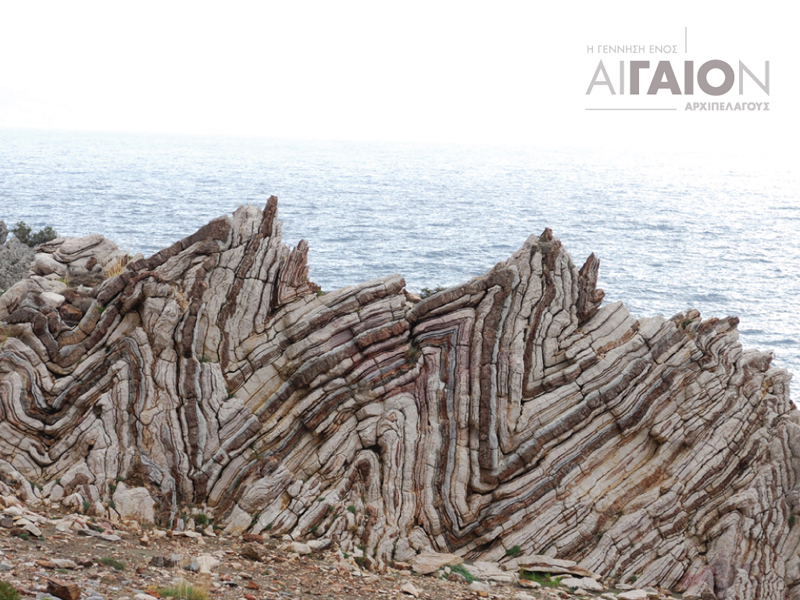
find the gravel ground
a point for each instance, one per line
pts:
(117, 561)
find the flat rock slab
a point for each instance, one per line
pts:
(429, 562)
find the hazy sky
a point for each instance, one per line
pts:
(418, 71)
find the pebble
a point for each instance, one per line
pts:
(408, 588)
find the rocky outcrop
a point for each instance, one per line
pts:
(507, 417)
(15, 258)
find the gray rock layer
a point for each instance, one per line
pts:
(512, 410)
(15, 258)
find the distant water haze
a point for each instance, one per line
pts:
(720, 233)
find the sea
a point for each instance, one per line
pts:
(674, 229)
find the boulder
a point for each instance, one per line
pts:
(134, 503)
(426, 563)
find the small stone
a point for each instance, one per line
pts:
(45, 564)
(252, 585)
(408, 588)
(253, 552)
(64, 563)
(297, 547)
(53, 299)
(63, 589)
(192, 566)
(5, 567)
(252, 537)
(206, 562)
(318, 545)
(457, 577)
(479, 588)
(633, 595)
(142, 596)
(584, 583)
(531, 585)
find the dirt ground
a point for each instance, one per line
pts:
(131, 561)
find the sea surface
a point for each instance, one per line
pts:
(673, 230)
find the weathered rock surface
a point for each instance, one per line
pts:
(510, 411)
(15, 258)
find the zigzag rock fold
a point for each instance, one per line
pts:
(513, 412)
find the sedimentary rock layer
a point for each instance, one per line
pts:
(512, 412)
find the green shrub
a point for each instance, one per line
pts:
(113, 563)
(184, 591)
(514, 551)
(462, 570)
(428, 292)
(24, 235)
(542, 579)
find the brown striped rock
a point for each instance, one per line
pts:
(510, 411)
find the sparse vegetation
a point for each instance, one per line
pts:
(202, 519)
(514, 551)
(411, 354)
(462, 570)
(792, 520)
(184, 590)
(351, 509)
(428, 292)
(113, 563)
(8, 591)
(542, 579)
(25, 235)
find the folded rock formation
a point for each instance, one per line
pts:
(503, 418)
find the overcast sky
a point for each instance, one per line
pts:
(413, 71)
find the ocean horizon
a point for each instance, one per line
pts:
(673, 229)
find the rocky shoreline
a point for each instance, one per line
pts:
(508, 418)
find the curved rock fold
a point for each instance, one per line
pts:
(512, 412)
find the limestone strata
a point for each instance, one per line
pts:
(510, 413)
